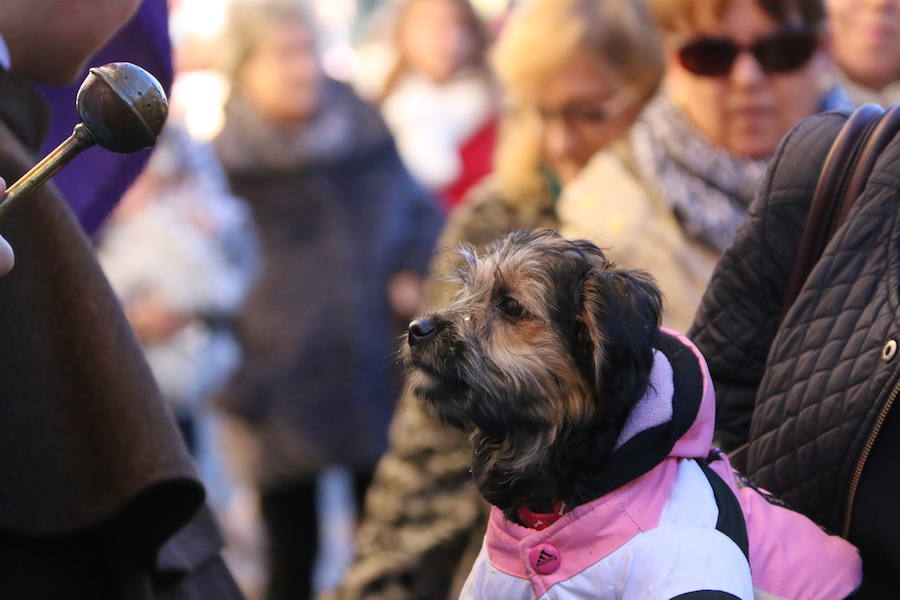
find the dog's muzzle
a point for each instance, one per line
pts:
(420, 330)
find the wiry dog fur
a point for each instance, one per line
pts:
(540, 357)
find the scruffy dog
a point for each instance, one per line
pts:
(541, 357)
(591, 431)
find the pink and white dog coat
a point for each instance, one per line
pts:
(679, 524)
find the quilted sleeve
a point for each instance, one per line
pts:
(741, 309)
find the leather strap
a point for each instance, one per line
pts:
(882, 134)
(843, 178)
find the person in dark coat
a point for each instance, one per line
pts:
(345, 235)
(807, 401)
(99, 498)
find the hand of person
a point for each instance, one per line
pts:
(6, 252)
(152, 320)
(405, 293)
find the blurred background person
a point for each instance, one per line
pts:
(865, 41)
(599, 62)
(669, 199)
(179, 251)
(345, 233)
(439, 99)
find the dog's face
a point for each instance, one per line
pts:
(546, 346)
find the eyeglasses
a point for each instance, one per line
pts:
(780, 52)
(586, 114)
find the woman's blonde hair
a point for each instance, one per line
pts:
(539, 38)
(247, 21)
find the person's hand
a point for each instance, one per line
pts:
(405, 293)
(6, 252)
(152, 320)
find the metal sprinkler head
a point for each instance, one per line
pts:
(123, 106)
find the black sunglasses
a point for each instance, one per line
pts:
(780, 52)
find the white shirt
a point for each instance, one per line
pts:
(431, 121)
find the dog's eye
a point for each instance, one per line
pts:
(511, 308)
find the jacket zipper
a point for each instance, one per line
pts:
(864, 455)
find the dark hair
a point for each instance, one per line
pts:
(471, 22)
(686, 15)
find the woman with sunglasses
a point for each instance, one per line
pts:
(739, 74)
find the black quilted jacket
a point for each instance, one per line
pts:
(813, 395)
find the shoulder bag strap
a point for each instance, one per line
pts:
(842, 179)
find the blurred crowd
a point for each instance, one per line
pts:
(321, 156)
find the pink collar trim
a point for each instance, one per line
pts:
(587, 533)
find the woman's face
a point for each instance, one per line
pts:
(580, 110)
(866, 39)
(434, 39)
(281, 76)
(748, 109)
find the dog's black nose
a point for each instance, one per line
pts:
(420, 330)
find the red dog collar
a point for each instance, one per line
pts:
(542, 520)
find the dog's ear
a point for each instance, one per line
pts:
(620, 317)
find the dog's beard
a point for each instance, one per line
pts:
(521, 429)
(519, 458)
(536, 467)
(466, 388)
(435, 377)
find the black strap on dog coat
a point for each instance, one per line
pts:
(731, 518)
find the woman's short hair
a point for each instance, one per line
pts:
(539, 39)
(684, 16)
(247, 21)
(542, 34)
